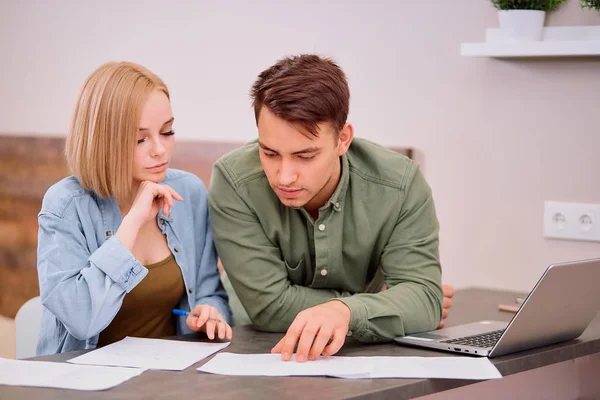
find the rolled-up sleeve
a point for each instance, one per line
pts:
(412, 271)
(83, 289)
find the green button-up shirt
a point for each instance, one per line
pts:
(379, 225)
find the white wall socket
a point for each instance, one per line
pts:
(572, 221)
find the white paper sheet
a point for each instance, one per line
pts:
(62, 375)
(354, 367)
(457, 367)
(173, 355)
(271, 365)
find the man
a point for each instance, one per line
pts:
(322, 234)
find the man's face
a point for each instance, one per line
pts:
(303, 170)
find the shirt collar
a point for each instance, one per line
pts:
(337, 198)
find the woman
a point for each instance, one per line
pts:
(125, 240)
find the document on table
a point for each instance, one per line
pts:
(272, 365)
(173, 355)
(62, 375)
(354, 367)
(479, 368)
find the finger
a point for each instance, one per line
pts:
(163, 193)
(204, 315)
(190, 321)
(157, 195)
(221, 327)
(165, 206)
(147, 187)
(157, 190)
(210, 328)
(169, 197)
(278, 346)
(211, 324)
(339, 337)
(306, 341)
(172, 192)
(441, 325)
(448, 290)
(291, 338)
(175, 195)
(229, 334)
(445, 313)
(168, 202)
(447, 303)
(147, 191)
(320, 343)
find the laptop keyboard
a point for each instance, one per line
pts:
(482, 340)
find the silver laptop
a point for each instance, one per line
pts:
(559, 308)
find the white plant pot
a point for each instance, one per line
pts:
(522, 24)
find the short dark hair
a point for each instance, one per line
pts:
(306, 90)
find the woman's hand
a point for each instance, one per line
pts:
(149, 198)
(205, 318)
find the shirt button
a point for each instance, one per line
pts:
(322, 227)
(337, 205)
(323, 272)
(349, 333)
(176, 249)
(162, 221)
(190, 290)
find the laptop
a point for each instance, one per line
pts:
(560, 307)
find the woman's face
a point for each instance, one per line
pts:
(155, 140)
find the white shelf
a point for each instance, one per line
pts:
(564, 41)
(554, 49)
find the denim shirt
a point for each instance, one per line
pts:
(85, 271)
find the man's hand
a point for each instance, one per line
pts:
(312, 329)
(447, 303)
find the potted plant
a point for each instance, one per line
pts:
(524, 19)
(594, 4)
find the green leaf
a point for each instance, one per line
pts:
(539, 5)
(593, 4)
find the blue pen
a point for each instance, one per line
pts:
(186, 313)
(183, 313)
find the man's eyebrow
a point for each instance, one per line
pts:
(311, 149)
(265, 147)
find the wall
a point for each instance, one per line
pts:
(496, 138)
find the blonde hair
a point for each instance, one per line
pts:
(101, 142)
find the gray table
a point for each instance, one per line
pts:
(469, 305)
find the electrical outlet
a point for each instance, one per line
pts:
(572, 221)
